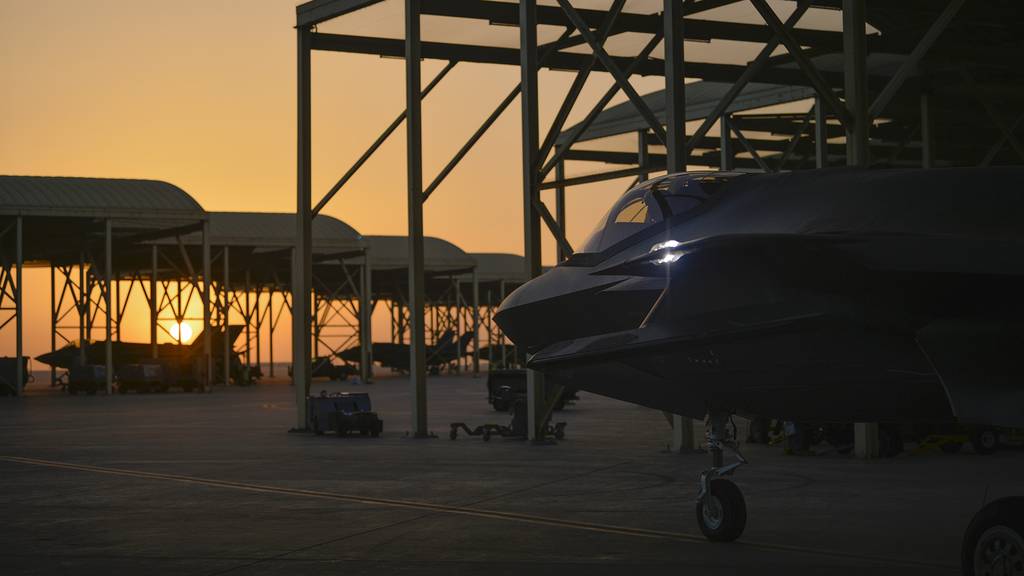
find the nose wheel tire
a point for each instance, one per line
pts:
(993, 544)
(985, 441)
(1000, 550)
(722, 512)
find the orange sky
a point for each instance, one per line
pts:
(202, 94)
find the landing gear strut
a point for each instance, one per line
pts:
(721, 509)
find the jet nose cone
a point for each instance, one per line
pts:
(50, 358)
(516, 316)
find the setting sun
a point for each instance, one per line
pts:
(181, 328)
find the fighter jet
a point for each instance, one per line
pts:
(178, 360)
(396, 356)
(828, 295)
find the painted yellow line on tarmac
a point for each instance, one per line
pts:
(454, 510)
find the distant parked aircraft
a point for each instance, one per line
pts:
(181, 363)
(396, 356)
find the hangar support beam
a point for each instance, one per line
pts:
(866, 434)
(19, 309)
(414, 167)
(675, 143)
(108, 259)
(528, 65)
(365, 319)
(820, 134)
(675, 87)
(856, 120)
(226, 312)
(302, 255)
(207, 379)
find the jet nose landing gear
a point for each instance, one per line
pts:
(721, 509)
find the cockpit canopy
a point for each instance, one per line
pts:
(654, 201)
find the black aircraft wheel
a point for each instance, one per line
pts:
(985, 441)
(994, 542)
(453, 434)
(487, 436)
(722, 514)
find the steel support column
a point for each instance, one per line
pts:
(675, 87)
(366, 320)
(108, 278)
(19, 309)
(865, 434)
(820, 134)
(153, 311)
(259, 329)
(83, 309)
(414, 168)
(226, 311)
(728, 157)
(302, 256)
(675, 124)
(53, 321)
(248, 321)
(854, 57)
(642, 157)
(927, 132)
(270, 331)
(535, 390)
(207, 336)
(476, 323)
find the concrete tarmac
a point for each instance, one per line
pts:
(209, 484)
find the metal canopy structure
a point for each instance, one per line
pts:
(252, 254)
(701, 98)
(496, 276)
(951, 95)
(91, 233)
(440, 257)
(934, 83)
(443, 263)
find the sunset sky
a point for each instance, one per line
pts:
(202, 94)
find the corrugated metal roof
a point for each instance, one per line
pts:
(269, 231)
(392, 252)
(277, 229)
(95, 198)
(701, 99)
(498, 267)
